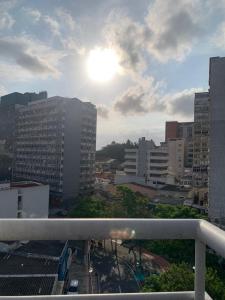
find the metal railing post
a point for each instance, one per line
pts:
(199, 270)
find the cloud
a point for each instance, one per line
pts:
(181, 103)
(219, 37)
(34, 13)
(3, 90)
(127, 38)
(103, 111)
(6, 20)
(168, 33)
(65, 18)
(146, 97)
(53, 25)
(25, 53)
(140, 98)
(174, 28)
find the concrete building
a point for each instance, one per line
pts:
(24, 200)
(8, 105)
(182, 130)
(55, 145)
(156, 165)
(200, 150)
(217, 140)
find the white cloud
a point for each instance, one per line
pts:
(3, 90)
(181, 103)
(174, 27)
(140, 98)
(6, 20)
(53, 25)
(168, 32)
(34, 13)
(127, 38)
(23, 52)
(65, 18)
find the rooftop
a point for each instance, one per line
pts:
(12, 264)
(37, 285)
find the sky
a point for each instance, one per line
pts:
(140, 62)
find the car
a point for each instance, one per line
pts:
(73, 287)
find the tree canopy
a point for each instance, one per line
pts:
(180, 277)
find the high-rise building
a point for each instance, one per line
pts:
(217, 140)
(182, 130)
(201, 146)
(8, 105)
(55, 145)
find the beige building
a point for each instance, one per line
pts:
(158, 165)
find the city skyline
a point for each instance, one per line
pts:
(151, 59)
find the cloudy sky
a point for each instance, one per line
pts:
(139, 62)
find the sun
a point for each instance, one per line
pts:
(102, 64)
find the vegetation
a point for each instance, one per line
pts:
(180, 253)
(114, 150)
(180, 277)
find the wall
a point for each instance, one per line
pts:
(8, 203)
(35, 201)
(217, 140)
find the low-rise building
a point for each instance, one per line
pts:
(155, 165)
(24, 200)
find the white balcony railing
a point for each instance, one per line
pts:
(201, 231)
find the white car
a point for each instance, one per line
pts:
(73, 287)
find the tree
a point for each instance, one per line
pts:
(176, 278)
(134, 204)
(90, 207)
(176, 212)
(181, 278)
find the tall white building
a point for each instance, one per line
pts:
(159, 165)
(56, 144)
(24, 200)
(217, 140)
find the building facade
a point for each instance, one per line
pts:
(8, 105)
(200, 149)
(158, 165)
(56, 144)
(182, 130)
(24, 200)
(217, 140)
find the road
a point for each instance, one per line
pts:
(115, 275)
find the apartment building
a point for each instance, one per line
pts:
(182, 130)
(8, 105)
(201, 146)
(55, 145)
(217, 140)
(158, 165)
(24, 200)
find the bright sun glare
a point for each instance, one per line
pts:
(102, 64)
